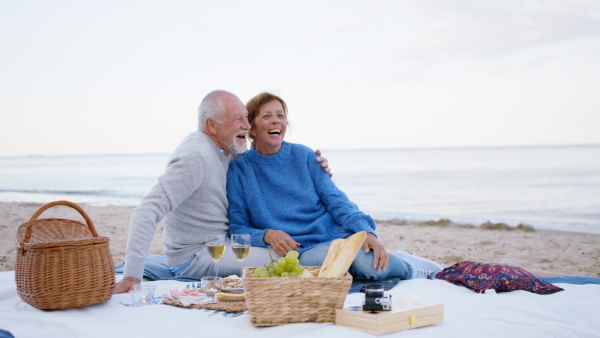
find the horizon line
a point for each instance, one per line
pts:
(331, 149)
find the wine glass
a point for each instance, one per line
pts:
(240, 245)
(215, 245)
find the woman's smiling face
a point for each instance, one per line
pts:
(269, 127)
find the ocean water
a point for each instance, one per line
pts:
(555, 188)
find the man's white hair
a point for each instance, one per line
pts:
(212, 106)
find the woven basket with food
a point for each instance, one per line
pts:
(313, 296)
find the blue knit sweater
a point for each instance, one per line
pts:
(289, 191)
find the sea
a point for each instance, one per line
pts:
(547, 187)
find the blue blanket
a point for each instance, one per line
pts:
(580, 280)
(156, 268)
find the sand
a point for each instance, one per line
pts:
(543, 253)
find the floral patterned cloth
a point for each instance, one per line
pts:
(500, 277)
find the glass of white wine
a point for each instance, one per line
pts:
(215, 245)
(240, 245)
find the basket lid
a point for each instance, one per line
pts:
(65, 244)
(55, 229)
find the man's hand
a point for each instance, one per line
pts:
(280, 242)
(323, 162)
(381, 259)
(125, 285)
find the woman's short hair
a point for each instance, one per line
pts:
(253, 106)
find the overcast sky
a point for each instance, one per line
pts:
(94, 77)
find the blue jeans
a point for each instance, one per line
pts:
(362, 267)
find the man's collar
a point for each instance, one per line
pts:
(222, 151)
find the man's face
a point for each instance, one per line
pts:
(233, 126)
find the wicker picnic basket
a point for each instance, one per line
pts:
(63, 263)
(277, 301)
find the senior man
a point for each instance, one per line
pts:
(190, 197)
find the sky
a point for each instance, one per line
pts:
(121, 77)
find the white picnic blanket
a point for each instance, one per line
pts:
(574, 312)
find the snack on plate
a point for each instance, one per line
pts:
(341, 254)
(187, 292)
(232, 282)
(188, 297)
(230, 296)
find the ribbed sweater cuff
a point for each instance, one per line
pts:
(364, 226)
(134, 267)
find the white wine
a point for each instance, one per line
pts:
(216, 251)
(240, 252)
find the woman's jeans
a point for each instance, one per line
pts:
(362, 267)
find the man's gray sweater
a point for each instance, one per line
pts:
(190, 198)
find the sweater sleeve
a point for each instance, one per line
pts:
(343, 211)
(181, 178)
(239, 213)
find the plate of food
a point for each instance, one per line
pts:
(233, 290)
(189, 297)
(232, 284)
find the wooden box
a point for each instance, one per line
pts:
(405, 314)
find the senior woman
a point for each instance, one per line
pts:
(280, 195)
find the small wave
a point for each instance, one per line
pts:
(99, 193)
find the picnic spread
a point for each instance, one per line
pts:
(569, 313)
(468, 299)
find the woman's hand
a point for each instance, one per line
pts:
(323, 162)
(381, 259)
(126, 285)
(280, 242)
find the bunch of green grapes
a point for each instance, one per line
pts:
(288, 266)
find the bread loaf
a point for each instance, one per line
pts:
(341, 254)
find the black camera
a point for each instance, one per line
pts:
(375, 300)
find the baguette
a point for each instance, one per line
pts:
(341, 254)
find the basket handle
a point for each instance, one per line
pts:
(37, 214)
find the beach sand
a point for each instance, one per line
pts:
(543, 253)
